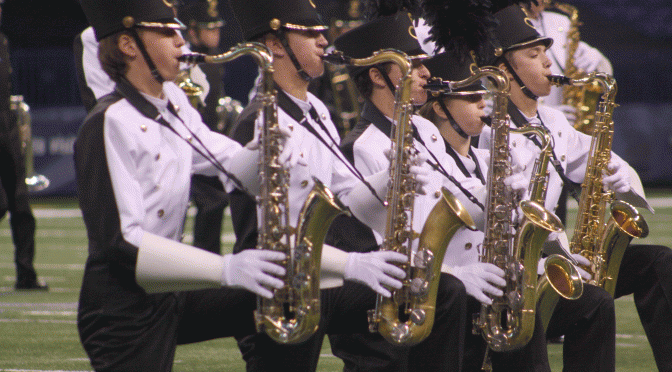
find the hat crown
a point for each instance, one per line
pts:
(257, 17)
(516, 30)
(107, 16)
(450, 67)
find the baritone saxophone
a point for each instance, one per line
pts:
(293, 314)
(407, 317)
(602, 243)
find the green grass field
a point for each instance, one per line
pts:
(38, 330)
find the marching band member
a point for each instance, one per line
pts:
(645, 269)
(292, 30)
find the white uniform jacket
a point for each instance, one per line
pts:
(572, 150)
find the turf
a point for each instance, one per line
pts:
(38, 330)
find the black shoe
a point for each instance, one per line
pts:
(31, 286)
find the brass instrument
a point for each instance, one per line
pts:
(190, 88)
(515, 247)
(293, 314)
(584, 98)
(228, 110)
(34, 181)
(603, 244)
(407, 317)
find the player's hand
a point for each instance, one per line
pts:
(517, 181)
(374, 270)
(480, 280)
(587, 58)
(254, 270)
(617, 178)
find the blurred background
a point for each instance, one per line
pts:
(636, 35)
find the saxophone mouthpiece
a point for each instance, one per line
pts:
(559, 80)
(192, 58)
(336, 58)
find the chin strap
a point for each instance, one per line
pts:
(292, 57)
(451, 120)
(387, 79)
(525, 89)
(143, 50)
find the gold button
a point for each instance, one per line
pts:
(467, 246)
(301, 154)
(562, 158)
(514, 144)
(559, 134)
(434, 137)
(291, 126)
(437, 194)
(158, 156)
(324, 117)
(304, 183)
(160, 213)
(177, 108)
(190, 138)
(143, 128)
(560, 29)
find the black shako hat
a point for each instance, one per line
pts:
(449, 67)
(515, 30)
(257, 17)
(201, 14)
(110, 16)
(394, 31)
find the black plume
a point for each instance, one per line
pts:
(460, 26)
(498, 5)
(380, 8)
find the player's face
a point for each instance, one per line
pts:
(533, 67)
(419, 76)
(163, 46)
(308, 47)
(209, 37)
(467, 111)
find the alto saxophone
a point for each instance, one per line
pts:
(407, 317)
(603, 244)
(293, 314)
(584, 98)
(515, 247)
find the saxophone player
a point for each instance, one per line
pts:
(645, 269)
(292, 30)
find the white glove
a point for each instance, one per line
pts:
(587, 58)
(579, 258)
(419, 168)
(290, 155)
(517, 181)
(251, 269)
(569, 111)
(619, 178)
(373, 270)
(480, 279)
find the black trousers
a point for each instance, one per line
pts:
(589, 327)
(529, 358)
(14, 198)
(344, 312)
(147, 342)
(210, 199)
(646, 272)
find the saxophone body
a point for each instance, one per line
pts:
(407, 317)
(514, 246)
(602, 243)
(34, 181)
(584, 98)
(293, 314)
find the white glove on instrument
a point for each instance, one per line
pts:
(374, 270)
(517, 181)
(290, 155)
(480, 279)
(569, 111)
(579, 258)
(588, 58)
(419, 168)
(252, 269)
(617, 179)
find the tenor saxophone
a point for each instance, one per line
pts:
(602, 243)
(508, 323)
(34, 181)
(293, 314)
(407, 317)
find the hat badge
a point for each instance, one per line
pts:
(411, 29)
(275, 24)
(128, 21)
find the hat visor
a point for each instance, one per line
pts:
(547, 41)
(174, 24)
(211, 25)
(295, 27)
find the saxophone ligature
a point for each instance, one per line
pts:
(602, 243)
(407, 317)
(512, 243)
(34, 182)
(293, 314)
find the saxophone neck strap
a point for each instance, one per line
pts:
(460, 164)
